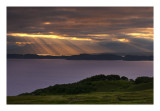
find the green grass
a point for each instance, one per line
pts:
(134, 97)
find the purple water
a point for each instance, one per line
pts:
(26, 75)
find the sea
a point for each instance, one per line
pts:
(27, 75)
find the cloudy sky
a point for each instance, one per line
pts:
(76, 30)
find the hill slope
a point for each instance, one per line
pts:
(98, 83)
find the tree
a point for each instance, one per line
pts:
(143, 79)
(112, 77)
(124, 78)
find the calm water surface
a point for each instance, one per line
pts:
(26, 75)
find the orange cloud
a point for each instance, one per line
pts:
(23, 43)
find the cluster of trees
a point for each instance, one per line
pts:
(104, 77)
(143, 80)
(95, 83)
(111, 77)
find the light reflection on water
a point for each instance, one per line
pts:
(26, 75)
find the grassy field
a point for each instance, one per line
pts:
(134, 97)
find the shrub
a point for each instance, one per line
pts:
(131, 80)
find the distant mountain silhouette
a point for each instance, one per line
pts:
(135, 57)
(83, 57)
(95, 57)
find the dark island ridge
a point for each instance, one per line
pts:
(83, 57)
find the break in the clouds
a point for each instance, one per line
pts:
(75, 30)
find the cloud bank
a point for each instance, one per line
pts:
(75, 30)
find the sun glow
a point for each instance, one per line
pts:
(47, 36)
(142, 35)
(47, 23)
(121, 40)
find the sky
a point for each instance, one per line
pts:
(75, 30)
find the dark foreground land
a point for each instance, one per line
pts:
(99, 89)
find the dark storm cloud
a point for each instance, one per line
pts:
(77, 20)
